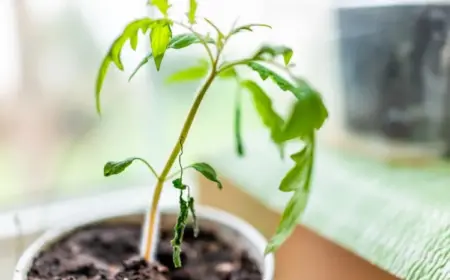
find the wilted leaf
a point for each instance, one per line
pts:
(190, 74)
(179, 230)
(265, 73)
(297, 177)
(191, 205)
(207, 171)
(289, 220)
(178, 184)
(264, 107)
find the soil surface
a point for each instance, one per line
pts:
(111, 253)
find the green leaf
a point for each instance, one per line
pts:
(179, 230)
(228, 73)
(116, 167)
(248, 27)
(191, 206)
(238, 125)
(308, 114)
(207, 171)
(298, 175)
(289, 220)
(178, 184)
(160, 39)
(113, 55)
(190, 74)
(265, 73)
(177, 42)
(162, 5)
(270, 52)
(264, 107)
(192, 11)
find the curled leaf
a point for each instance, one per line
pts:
(117, 167)
(297, 177)
(238, 125)
(207, 171)
(248, 27)
(178, 184)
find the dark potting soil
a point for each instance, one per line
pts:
(111, 253)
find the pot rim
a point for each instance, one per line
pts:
(205, 212)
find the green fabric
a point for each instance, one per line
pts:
(395, 217)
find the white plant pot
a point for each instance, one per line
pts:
(229, 228)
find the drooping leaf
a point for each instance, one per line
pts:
(177, 42)
(289, 220)
(116, 167)
(297, 176)
(270, 52)
(162, 5)
(190, 74)
(220, 35)
(228, 73)
(179, 230)
(191, 206)
(248, 27)
(130, 32)
(178, 184)
(160, 38)
(207, 171)
(192, 11)
(238, 125)
(265, 73)
(264, 107)
(308, 114)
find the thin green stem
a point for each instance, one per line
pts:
(227, 66)
(173, 156)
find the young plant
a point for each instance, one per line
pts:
(271, 62)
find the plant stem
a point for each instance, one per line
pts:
(175, 151)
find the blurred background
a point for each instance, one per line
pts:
(382, 69)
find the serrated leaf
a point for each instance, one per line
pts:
(116, 167)
(191, 205)
(162, 5)
(207, 171)
(248, 27)
(192, 11)
(264, 107)
(238, 125)
(289, 220)
(228, 73)
(298, 175)
(130, 32)
(177, 42)
(270, 52)
(308, 114)
(190, 74)
(178, 184)
(160, 38)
